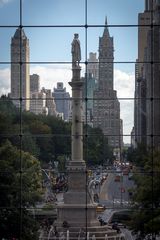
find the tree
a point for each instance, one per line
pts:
(61, 135)
(20, 186)
(137, 156)
(146, 197)
(61, 163)
(41, 132)
(96, 148)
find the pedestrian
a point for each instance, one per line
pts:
(115, 227)
(101, 221)
(67, 234)
(81, 235)
(93, 237)
(61, 236)
(56, 232)
(65, 225)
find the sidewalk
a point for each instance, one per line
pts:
(104, 187)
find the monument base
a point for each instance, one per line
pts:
(83, 218)
(76, 215)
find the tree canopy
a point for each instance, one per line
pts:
(48, 137)
(20, 186)
(146, 197)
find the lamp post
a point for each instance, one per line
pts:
(113, 201)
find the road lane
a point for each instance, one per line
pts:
(115, 193)
(105, 187)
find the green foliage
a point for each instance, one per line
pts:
(61, 139)
(61, 163)
(18, 224)
(20, 186)
(137, 156)
(24, 138)
(49, 206)
(96, 149)
(6, 106)
(146, 195)
(47, 137)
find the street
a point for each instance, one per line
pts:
(115, 194)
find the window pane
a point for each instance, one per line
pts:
(57, 12)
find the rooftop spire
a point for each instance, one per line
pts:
(106, 20)
(106, 32)
(20, 33)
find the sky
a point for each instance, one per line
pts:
(53, 43)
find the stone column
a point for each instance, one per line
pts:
(77, 178)
(77, 210)
(77, 110)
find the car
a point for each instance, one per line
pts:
(126, 171)
(100, 208)
(115, 227)
(117, 178)
(122, 190)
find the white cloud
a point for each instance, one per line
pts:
(127, 114)
(4, 81)
(51, 74)
(124, 83)
(2, 2)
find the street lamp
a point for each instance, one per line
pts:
(113, 201)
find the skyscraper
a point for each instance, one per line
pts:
(88, 90)
(152, 76)
(34, 83)
(38, 103)
(92, 67)
(20, 79)
(106, 58)
(147, 87)
(62, 100)
(144, 20)
(106, 109)
(50, 102)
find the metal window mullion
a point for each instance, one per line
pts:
(152, 111)
(21, 104)
(85, 135)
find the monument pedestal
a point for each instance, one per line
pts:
(77, 216)
(77, 208)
